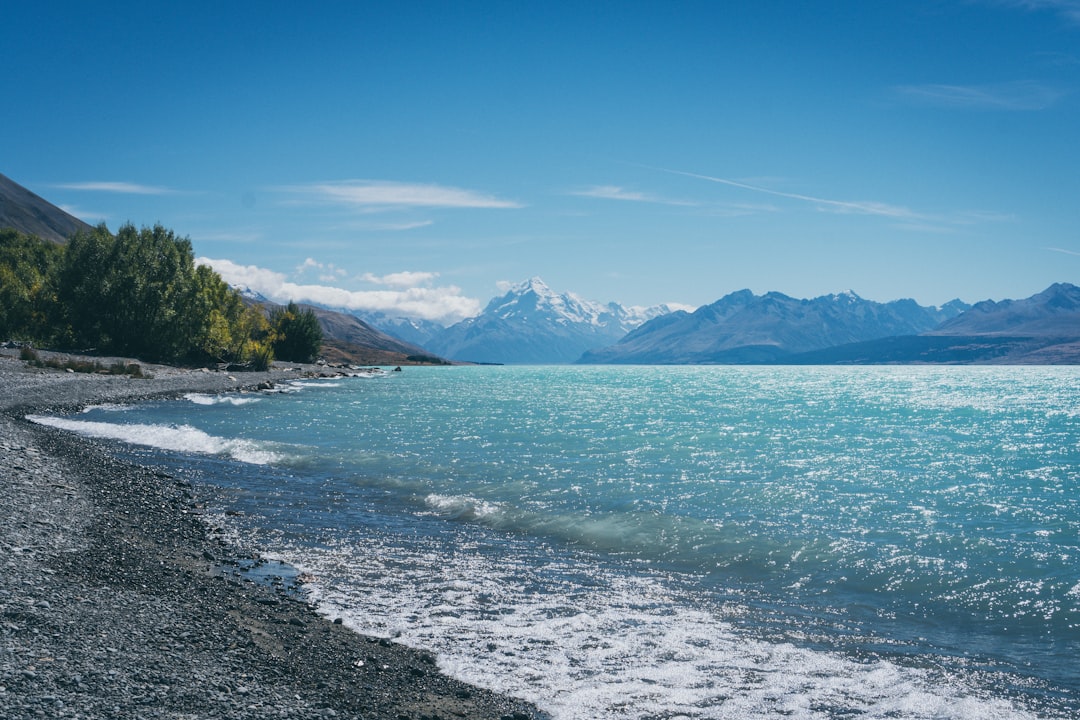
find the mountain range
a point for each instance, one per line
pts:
(1043, 329)
(742, 327)
(531, 323)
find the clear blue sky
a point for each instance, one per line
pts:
(417, 155)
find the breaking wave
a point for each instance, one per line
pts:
(179, 438)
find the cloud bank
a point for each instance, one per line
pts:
(444, 304)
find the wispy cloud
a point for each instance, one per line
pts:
(384, 194)
(399, 227)
(615, 192)
(903, 217)
(862, 207)
(1010, 96)
(443, 304)
(125, 188)
(1063, 251)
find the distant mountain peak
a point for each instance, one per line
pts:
(743, 327)
(847, 296)
(535, 284)
(531, 323)
(1053, 312)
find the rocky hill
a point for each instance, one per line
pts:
(31, 214)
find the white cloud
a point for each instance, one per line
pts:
(385, 194)
(1063, 251)
(863, 207)
(614, 192)
(307, 264)
(441, 304)
(406, 279)
(1018, 96)
(330, 272)
(905, 218)
(118, 187)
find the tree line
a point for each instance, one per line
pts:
(139, 293)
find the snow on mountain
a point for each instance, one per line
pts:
(417, 331)
(745, 328)
(251, 294)
(531, 323)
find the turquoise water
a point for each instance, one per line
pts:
(671, 542)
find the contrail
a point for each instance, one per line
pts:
(868, 208)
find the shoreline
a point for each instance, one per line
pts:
(118, 599)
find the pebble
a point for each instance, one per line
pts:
(106, 609)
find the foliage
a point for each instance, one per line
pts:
(427, 359)
(297, 335)
(132, 293)
(135, 293)
(26, 298)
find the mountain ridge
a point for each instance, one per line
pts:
(742, 327)
(531, 323)
(32, 214)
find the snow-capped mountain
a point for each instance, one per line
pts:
(532, 323)
(745, 328)
(417, 331)
(248, 293)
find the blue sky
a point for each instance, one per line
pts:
(418, 156)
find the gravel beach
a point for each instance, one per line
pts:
(118, 600)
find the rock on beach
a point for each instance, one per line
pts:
(117, 600)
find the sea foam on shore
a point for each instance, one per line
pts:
(118, 598)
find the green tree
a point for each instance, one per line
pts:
(27, 302)
(136, 293)
(297, 335)
(140, 293)
(130, 294)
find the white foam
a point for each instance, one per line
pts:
(107, 407)
(314, 384)
(203, 399)
(616, 646)
(181, 438)
(460, 507)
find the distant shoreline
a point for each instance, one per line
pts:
(120, 600)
